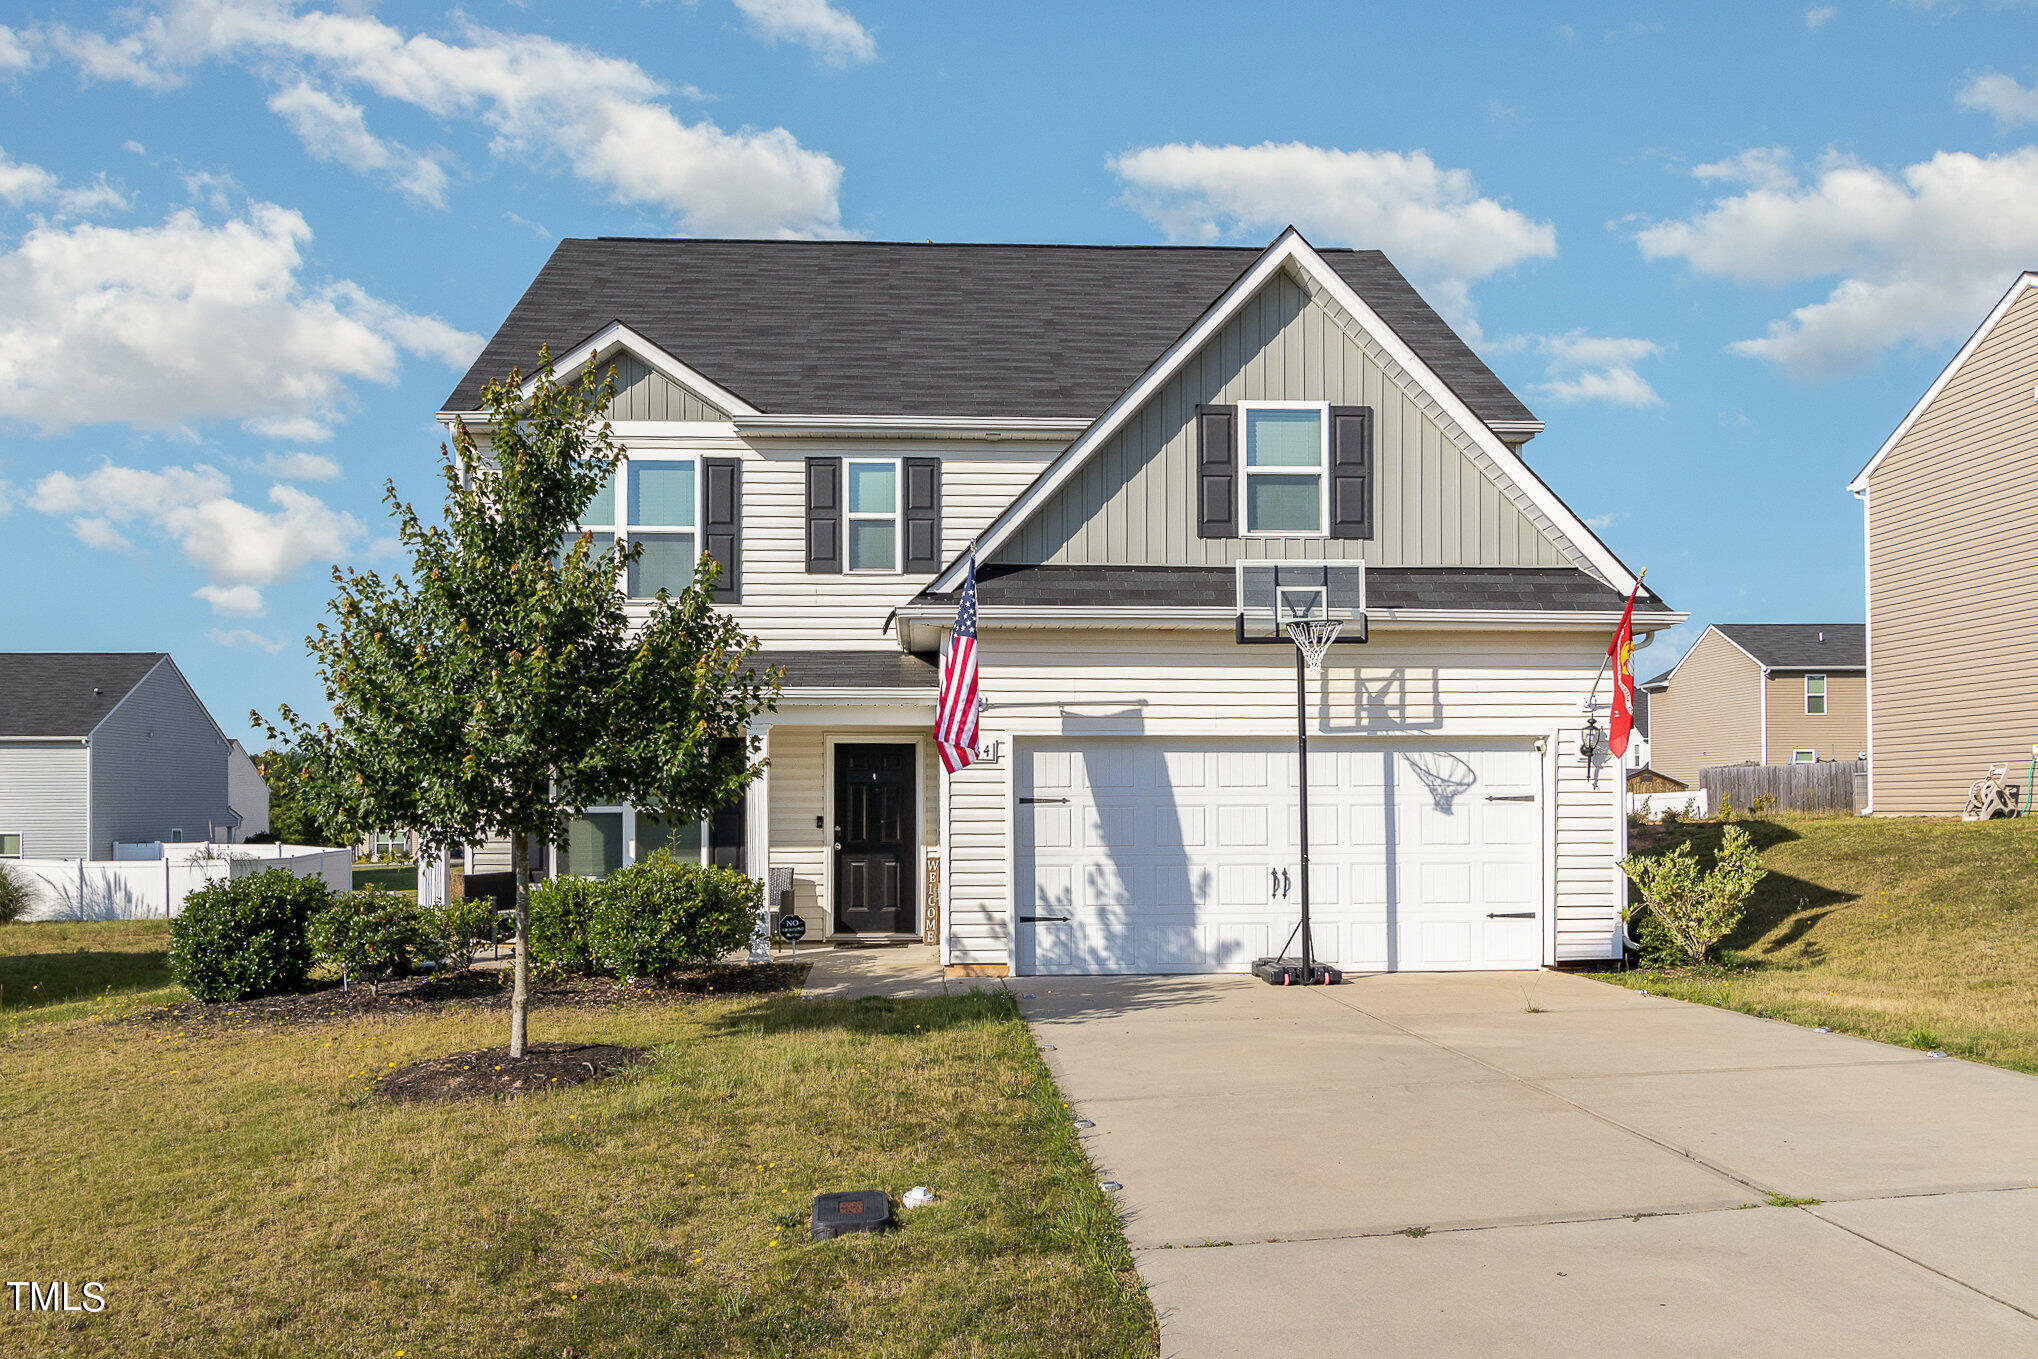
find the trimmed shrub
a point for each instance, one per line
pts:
(374, 934)
(562, 916)
(1697, 908)
(660, 916)
(13, 895)
(459, 924)
(246, 937)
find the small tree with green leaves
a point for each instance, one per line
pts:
(499, 690)
(1697, 907)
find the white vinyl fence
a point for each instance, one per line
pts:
(1690, 802)
(150, 881)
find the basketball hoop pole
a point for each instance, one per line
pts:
(1302, 803)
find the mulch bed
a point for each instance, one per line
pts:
(490, 1073)
(474, 988)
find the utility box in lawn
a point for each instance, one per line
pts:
(859, 1210)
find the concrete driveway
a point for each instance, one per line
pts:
(1535, 1164)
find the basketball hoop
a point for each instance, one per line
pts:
(1313, 637)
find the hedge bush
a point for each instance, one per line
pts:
(660, 916)
(562, 916)
(246, 937)
(374, 934)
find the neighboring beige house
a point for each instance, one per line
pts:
(1761, 693)
(1950, 517)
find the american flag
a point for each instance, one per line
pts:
(955, 717)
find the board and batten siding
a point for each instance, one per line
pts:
(800, 783)
(1711, 713)
(1952, 539)
(1432, 687)
(43, 797)
(1437, 502)
(1840, 734)
(643, 393)
(158, 764)
(787, 607)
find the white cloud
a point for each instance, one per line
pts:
(599, 117)
(22, 183)
(1431, 221)
(833, 35)
(127, 60)
(1758, 167)
(297, 467)
(15, 55)
(244, 601)
(336, 129)
(240, 547)
(2001, 98)
(183, 322)
(245, 637)
(1600, 523)
(1818, 16)
(1917, 254)
(1583, 368)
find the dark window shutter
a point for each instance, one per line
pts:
(1351, 471)
(722, 524)
(1217, 471)
(923, 514)
(824, 515)
(727, 825)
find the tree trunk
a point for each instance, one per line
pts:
(520, 991)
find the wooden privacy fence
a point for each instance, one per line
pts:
(1825, 787)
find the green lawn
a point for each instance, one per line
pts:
(54, 973)
(1909, 931)
(388, 877)
(240, 1191)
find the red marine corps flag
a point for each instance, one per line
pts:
(1619, 651)
(955, 715)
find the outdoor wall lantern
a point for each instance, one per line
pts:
(1588, 740)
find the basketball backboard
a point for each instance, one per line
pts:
(1274, 594)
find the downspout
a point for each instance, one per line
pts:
(1762, 695)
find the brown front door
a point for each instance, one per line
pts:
(874, 833)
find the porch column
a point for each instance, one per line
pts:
(757, 845)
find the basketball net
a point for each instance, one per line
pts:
(1313, 637)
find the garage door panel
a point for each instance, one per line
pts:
(1174, 869)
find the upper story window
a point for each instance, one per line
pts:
(1815, 695)
(872, 513)
(656, 502)
(1287, 456)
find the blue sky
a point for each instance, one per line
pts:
(247, 246)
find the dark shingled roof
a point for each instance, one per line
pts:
(891, 328)
(1551, 588)
(851, 669)
(66, 693)
(1802, 646)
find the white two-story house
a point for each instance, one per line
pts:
(1112, 428)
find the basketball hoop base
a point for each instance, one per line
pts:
(1290, 972)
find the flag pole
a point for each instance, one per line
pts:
(1592, 699)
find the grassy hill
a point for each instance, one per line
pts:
(1915, 932)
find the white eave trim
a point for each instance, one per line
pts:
(835, 694)
(1291, 251)
(1057, 429)
(605, 342)
(2024, 280)
(1524, 428)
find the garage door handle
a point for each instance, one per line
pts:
(1510, 915)
(1029, 919)
(1510, 797)
(1044, 799)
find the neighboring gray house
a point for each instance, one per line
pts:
(105, 747)
(247, 792)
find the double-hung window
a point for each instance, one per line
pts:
(1815, 695)
(1287, 454)
(871, 509)
(654, 501)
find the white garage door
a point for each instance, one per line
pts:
(1145, 856)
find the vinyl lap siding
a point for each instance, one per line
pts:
(158, 764)
(1134, 501)
(1953, 581)
(1710, 714)
(1192, 685)
(1841, 734)
(42, 798)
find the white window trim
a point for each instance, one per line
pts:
(897, 516)
(1813, 757)
(1247, 471)
(630, 854)
(620, 496)
(1824, 696)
